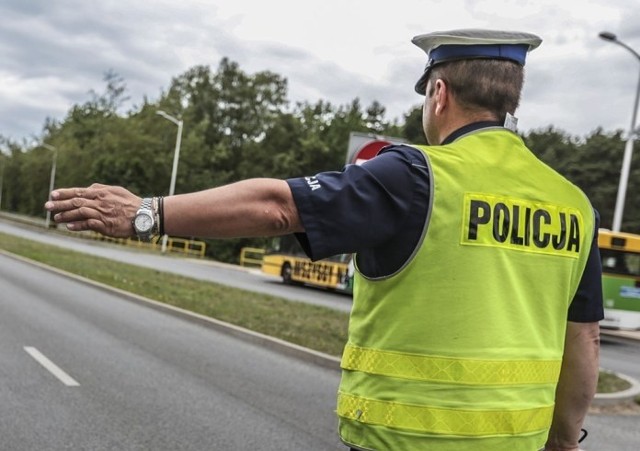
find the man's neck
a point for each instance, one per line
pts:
(468, 129)
(459, 119)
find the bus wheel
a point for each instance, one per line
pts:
(286, 274)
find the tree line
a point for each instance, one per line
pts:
(239, 125)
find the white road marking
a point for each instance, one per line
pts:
(51, 367)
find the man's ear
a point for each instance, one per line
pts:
(440, 96)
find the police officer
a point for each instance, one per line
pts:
(477, 294)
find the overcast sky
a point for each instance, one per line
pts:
(54, 52)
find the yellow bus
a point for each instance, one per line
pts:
(285, 258)
(620, 254)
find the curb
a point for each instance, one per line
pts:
(620, 334)
(620, 397)
(275, 344)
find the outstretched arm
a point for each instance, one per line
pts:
(254, 207)
(577, 385)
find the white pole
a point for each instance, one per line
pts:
(176, 157)
(626, 165)
(1, 182)
(52, 179)
(628, 149)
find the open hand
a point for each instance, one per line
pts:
(105, 209)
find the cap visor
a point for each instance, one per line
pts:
(421, 85)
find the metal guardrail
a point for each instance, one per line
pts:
(24, 219)
(251, 256)
(176, 245)
(189, 247)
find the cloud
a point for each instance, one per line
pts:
(54, 52)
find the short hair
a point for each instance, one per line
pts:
(482, 84)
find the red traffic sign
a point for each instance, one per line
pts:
(368, 151)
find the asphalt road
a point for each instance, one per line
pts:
(147, 380)
(252, 280)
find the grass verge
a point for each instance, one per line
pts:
(610, 383)
(314, 327)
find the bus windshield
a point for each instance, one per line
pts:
(620, 256)
(620, 262)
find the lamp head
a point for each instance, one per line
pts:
(607, 36)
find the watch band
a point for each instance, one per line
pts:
(147, 204)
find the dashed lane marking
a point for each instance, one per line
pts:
(51, 367)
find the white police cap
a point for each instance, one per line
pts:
(443, 46)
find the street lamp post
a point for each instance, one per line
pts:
(176, 156)
(1, 181)
(52, 178)
(628, 150)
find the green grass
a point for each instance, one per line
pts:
(610, 383)
(314, 327)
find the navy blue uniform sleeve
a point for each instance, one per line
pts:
(587, 305)
(357, 208)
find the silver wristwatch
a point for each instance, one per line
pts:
(144, 222)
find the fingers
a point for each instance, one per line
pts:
(70, 193)
(76, 210)
(96, 225)
(65, 205)
(79, 226)
(116, 229)
(66, 199)
(91, 218)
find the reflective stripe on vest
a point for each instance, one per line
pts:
(438, 420)
(450, 370)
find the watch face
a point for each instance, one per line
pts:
(143, 223)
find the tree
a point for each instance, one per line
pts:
(412, 130)
(239, 125)
(229, 111)
(593, 164)
(12, 166)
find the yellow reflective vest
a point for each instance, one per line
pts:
(461, 348)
